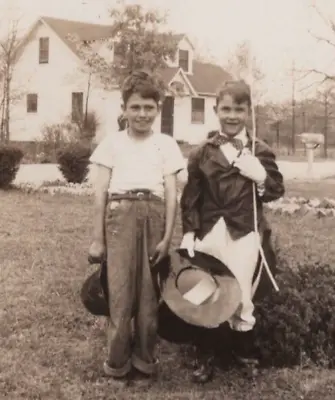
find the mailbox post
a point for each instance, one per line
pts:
(312, 141)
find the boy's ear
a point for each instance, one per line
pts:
(215, 109)
(123, 107)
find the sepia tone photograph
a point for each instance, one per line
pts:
(167, 197)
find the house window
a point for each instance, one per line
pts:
(32, 103)
(198, 110)
(183, 59)
(77, 106)
(44, 50)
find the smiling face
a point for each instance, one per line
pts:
(140, 113)
(232, 116)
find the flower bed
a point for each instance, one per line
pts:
(286, 205)
(300, 205)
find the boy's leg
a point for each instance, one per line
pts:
(243, 260)
(152, 231)
(121, 274)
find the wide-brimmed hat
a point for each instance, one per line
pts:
(94, 292)
(201, 290)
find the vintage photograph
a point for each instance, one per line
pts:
(167, 196)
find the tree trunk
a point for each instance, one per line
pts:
(278, 134)
(87, 97)
(2, 122)
(7, 108)
(325, 146)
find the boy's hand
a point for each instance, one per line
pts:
(96, 252)
(161, 251)
(188, 243)
(251, 168)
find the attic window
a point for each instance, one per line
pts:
(184, 60)
(44, 50)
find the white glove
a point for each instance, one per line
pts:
(188, 243)
(251, 168)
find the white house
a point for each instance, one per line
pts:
(50, 75)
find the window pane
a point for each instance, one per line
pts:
(32, 103)
(198, 111)
(44, 50)
(183, 60)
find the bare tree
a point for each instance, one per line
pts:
(329, 40)
(7, 63)
(326, 96)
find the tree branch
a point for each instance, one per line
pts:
(322, 39)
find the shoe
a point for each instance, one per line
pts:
(245, 351)
(123, 380)
(205, 371)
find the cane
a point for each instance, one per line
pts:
(254, 198)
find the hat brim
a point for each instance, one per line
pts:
(92, 295)
(210, 314)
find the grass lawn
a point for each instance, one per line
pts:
(52, 349)
(315, 189)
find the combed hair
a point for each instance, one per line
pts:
(239, 90)
(142, 83)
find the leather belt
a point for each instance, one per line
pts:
(139, 195)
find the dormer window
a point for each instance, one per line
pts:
(184, 60)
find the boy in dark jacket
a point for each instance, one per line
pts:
(217, 209)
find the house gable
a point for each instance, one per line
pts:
(180, 82)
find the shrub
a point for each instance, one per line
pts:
(297, 324)
(73, 162)
(10, 159)
(54, 137)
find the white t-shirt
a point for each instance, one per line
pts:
(138, 163)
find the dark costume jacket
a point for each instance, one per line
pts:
(216, 189)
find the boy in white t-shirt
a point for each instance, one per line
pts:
(135, 211)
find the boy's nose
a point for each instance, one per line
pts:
(142, 112)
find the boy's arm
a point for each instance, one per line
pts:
(171, 202)
(273, 187)
(191, 195)
(103, 176)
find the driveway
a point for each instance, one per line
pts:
(37, 173)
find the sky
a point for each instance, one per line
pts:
(279, 31)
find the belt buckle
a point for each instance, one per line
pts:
(140, 195)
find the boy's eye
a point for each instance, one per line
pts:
(138, 108)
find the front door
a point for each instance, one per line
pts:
(167, 115)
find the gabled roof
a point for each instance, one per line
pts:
(84, 30)
(205, 77)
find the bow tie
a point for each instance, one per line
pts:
(221, 140)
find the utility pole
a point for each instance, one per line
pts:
(293, 107)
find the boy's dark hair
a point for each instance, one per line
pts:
(239, 90)
(142, 83)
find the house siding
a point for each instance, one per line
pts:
(54, 83)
